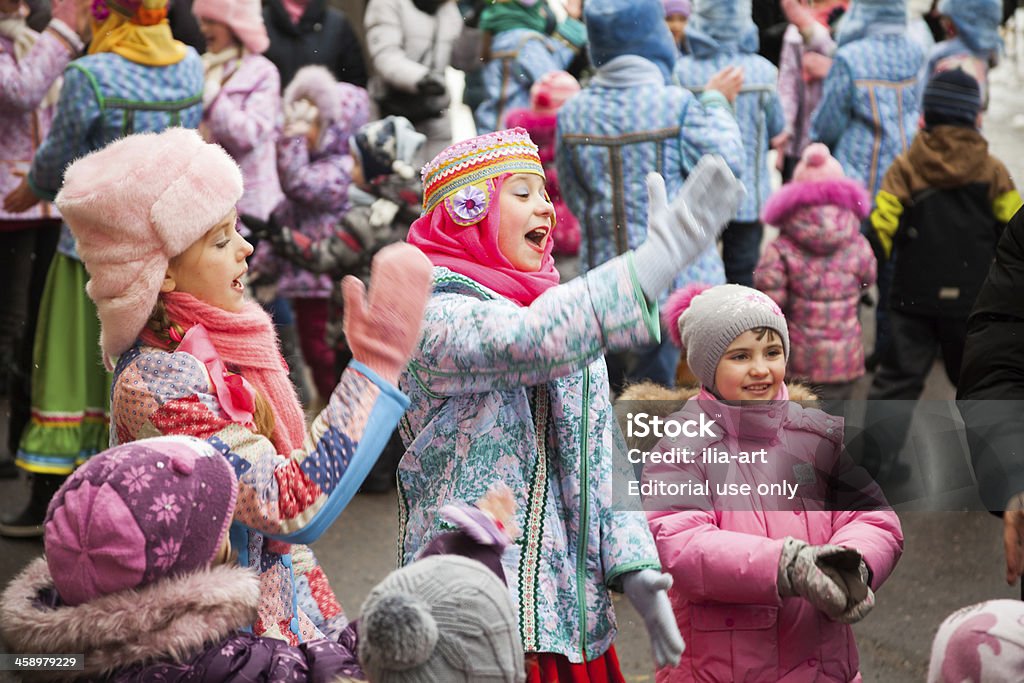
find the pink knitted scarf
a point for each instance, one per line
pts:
(248, 344)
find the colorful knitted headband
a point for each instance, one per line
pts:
(475, 160)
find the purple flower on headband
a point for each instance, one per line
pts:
(469, 203)
(100, 11)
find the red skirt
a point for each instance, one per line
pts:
(547, 667)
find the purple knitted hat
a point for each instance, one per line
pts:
(677, 7)
(137, 513)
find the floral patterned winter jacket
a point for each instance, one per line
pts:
(503, 393)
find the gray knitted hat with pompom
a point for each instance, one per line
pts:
(443, 618)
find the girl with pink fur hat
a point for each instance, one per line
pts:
(155, 221)
(817, 270)
(242, 96)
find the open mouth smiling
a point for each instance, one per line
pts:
(538, 237)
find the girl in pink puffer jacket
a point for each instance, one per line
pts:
(817, 270)
(765, 581)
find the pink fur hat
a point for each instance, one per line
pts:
(243, 17)
(134, 205)
(817, 163)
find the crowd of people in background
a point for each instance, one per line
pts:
(247, 274)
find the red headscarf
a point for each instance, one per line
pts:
(473, 250)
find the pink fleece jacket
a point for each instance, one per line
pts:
(724, 556)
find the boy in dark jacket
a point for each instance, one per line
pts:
(941, 209)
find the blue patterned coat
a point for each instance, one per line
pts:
(870, 104)
(503, 393)
(758, 109)
(105, 97)
(609, 138)
(518, 58)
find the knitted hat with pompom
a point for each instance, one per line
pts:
(442, 618)
(704, 320)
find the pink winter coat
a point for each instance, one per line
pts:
(24, 125)
(724, 557)
(243, 120)
(816, 271)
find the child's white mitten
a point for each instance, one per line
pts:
(647, 590)
(678, 233)
(211, 88)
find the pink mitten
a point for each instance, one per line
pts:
(383, 331)
(798, 14)
(815, 66)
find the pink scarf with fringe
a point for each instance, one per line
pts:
(248, 344)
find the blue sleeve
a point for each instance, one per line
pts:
(832, 116)
(775, 115)
(78, 113)
(708, 126)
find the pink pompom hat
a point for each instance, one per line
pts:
(816, 163)
(134, 205)
(243, 17)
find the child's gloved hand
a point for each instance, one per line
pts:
(647, 589)
(847, 568)
(804, 571)
(431, 84)
(299, 118)
(382, 332)
(798, 14)
(678, 233)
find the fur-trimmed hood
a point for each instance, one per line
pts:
(820, 215)
(661, 401)
(342, 107)
(173, 619)
(842, 192)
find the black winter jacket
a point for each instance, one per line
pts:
(322, 36)
(991, 388)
